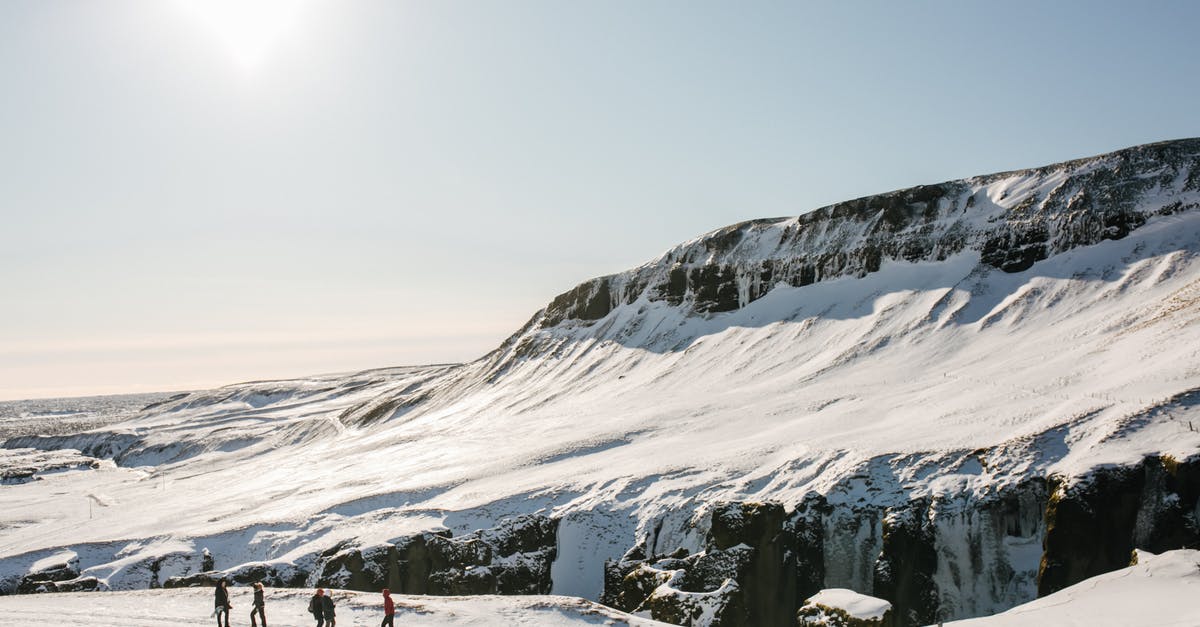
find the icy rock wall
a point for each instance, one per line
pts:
(933, 558)
(930, 559)
(988, 549)
(1013, 219)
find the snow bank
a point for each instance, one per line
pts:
(1160, 590)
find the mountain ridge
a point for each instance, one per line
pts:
(1180, 156)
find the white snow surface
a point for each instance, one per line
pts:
(286, 608)
(923, 378)
(856, 605)
(1159, 591)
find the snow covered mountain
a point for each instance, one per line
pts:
(956, 397)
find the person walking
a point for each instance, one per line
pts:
(221, 599)
(327, 609)
(316, 607)
(259, 606)
(389, 609)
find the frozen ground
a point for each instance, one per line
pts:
(286, 608)
(1160, 591)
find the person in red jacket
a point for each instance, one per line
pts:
(389, 609)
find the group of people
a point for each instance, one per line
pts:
(223, 605)
(321, 606)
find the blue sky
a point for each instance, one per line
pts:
(193, 199)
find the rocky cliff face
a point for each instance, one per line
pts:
(1011, 219)
(1095, 522)
(931, 558)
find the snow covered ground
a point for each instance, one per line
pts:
(69, 415)
(935, 377)
(286, 608)
(1160, 591)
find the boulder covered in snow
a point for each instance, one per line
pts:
(839, 607)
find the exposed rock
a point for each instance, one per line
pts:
(16, 476)
(905, 568)
(1072, 204)
(512, 558)
(78, 584)
(275, 575)
(745, 576)
(354, 568)
(768, 580)
(50, 578)
(205, 579)
(1093, 524)
(616, 573)
(722, 607)
(806, 526)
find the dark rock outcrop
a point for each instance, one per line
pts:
(272, 575)
(905, 568)
(512, 558)
(204, 579)
(769, 579)
(681, 588)
(1093, 523)
(79, 584)
(51, 578)
(807, 528)
(745, 575)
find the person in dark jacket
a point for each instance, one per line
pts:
(315, 607)
(389, 609)
(327, 610)
(222, 602)
(259, 606)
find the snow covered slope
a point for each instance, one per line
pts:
(920, 379)
(1159, 590)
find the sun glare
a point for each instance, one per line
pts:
(247, 28)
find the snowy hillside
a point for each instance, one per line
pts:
(920, 388)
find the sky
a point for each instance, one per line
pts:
(201, 192)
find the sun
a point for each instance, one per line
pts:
(247, 28)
